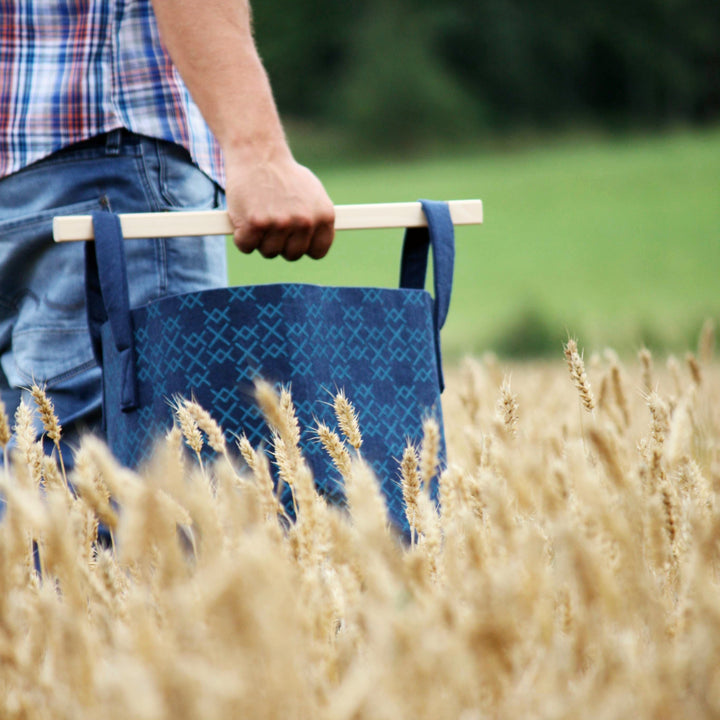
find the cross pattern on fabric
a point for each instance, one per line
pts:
(376, 346)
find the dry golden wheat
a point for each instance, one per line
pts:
(576, 366)
(508, 408)
(572, 572)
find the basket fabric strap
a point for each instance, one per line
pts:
(440, 236)
(107, 299)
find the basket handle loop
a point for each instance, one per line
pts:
(107, 298)
(440, 236)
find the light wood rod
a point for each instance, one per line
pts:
(217, 222)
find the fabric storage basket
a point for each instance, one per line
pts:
(380, 346)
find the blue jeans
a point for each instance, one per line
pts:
(43, 324)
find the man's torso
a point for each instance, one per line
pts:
(69, 71)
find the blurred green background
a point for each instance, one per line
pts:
(591, 131)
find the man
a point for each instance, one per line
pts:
(137, 106)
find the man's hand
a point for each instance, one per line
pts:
(278, 207)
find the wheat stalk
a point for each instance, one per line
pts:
(660, 418)
(335, 449)
(572, 574)
(507, 408)
(189, 428)
(207, 424)
(694, 367)
(257, 461)
(706, 342)
(578, 375)
(411, 485)
(619, 393)
(25, 435)
(429, 451)
(646, 363)
(347, 420)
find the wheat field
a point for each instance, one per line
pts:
(571, 570)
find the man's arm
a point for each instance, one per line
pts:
(275, 204)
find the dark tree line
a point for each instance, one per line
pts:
(398, 71)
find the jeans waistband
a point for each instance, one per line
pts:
(112, 142)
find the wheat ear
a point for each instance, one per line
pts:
(646, 365)
(619, 392)
(258, 462)
(206, 423)
(49, 419)
(410, 480)
(429, 451)
(335, 449)
(25, 436)
(507, 408)
(279, 414)
(189, 427)
(578, 375)
(274, 411)
(292, 426)
(348, 420)
(706, 342)
(694, 368)
(660, 414)
(605, 447)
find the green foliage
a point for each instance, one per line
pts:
(396, 73)
(397, 93)
(529, 334)
(304, 47)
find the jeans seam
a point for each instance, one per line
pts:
(67, 375)
(45, 329)
(163, 188)
(161, 251)
(153, 198)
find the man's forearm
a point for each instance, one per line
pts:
(211, 43)
(277, 206)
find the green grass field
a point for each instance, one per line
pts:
(616, 241)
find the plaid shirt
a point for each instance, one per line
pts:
(71, 69)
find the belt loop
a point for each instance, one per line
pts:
(112, 142)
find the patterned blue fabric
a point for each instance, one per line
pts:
(378, 345)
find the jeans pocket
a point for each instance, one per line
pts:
(180, 184)
(50, 356)
(45, 300)
(182, 264)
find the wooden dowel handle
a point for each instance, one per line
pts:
(217, 222)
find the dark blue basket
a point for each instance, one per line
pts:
(380, 346)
